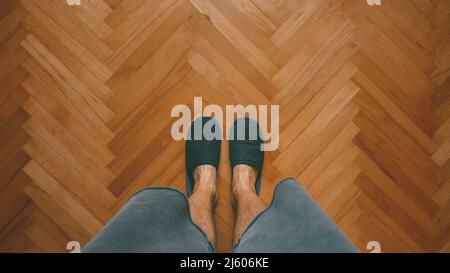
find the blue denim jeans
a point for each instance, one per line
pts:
(157, 219)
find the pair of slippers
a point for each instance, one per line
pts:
(203, 147)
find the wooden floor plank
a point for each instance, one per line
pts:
(86, 94)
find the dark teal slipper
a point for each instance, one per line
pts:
(245, 146)
(202, 147)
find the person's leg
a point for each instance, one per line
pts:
(203, 199)
(155, 219)
(247, 202)
(202, 161)
(294, 222)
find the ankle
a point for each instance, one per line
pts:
(205, 187)
(244, 179)
(205, 177)
(241, 190)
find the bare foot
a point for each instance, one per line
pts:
(245, 200)
(205, 177)
(203, 199)
(244, 179)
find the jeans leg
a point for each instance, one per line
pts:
(293, 223)
(155, 219)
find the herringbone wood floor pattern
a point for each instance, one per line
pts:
(364, 95)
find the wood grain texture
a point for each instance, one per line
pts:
(364, 93)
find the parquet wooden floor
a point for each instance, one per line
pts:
(364, 94)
